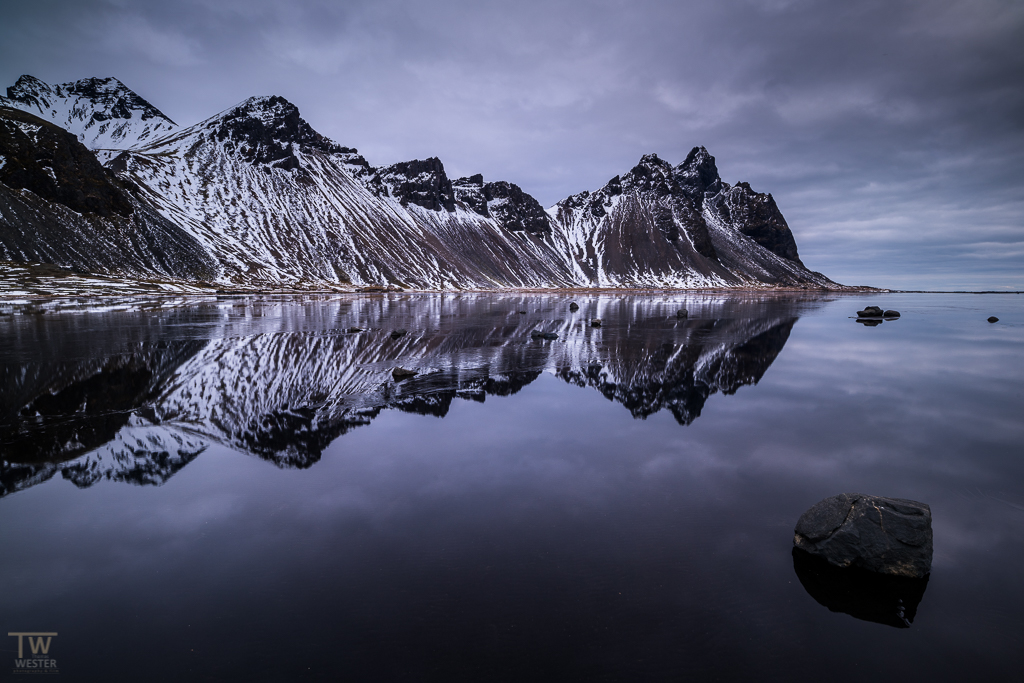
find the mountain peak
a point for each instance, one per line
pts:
(102, 112)
(269, 109)
(699, 170)
(26, 85)
(266, 128)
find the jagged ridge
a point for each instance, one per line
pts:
(274, 203)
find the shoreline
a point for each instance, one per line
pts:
(34, 285)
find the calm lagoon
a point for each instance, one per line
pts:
(237, 488)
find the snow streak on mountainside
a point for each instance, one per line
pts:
(282, 381)
(102, 112)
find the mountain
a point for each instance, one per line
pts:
(680, 226)
(277, 204)
(274, 204)
(140, 396)
(59, 205)
(101, 112)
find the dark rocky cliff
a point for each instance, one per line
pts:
(505, 202)
(59, 205)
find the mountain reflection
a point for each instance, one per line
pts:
(137, 400)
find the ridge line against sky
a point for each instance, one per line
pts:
(890, 133)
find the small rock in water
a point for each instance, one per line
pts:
(574, 306)
(993, 319)
(870, 312)
(353, 330)
(398, 333)
(543, 335)
(596, 322)
(891, 314)
(682, 313)
(883, 535)
(401, 373)
(522, 312)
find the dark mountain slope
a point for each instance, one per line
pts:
(59, 205)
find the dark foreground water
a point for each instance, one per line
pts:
(238, 489)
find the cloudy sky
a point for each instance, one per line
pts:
(891, 132)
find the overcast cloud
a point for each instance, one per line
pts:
(891, 132)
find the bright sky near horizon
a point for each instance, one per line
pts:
(891, 133)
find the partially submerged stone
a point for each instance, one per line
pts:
(891, 314)
(401, 373)
(536, 334)
(573, 306)
(682, 313)
(883, 535)
(596, 322)
(870, 312)
(993, 319)
(398, 333)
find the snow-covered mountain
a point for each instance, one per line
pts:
(284, 381)
(680, 226)
(278, 204)
(274, 204)
(101, 112)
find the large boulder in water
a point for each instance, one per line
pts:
(884, 535)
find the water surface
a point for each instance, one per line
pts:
(238, 489)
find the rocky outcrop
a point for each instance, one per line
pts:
(756, 216)
(50, 163)
(420, 182)
(505, 202)
(882, 535)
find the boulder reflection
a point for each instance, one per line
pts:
(282, 381)
(883, 599)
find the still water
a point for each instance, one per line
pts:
(237, 489)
